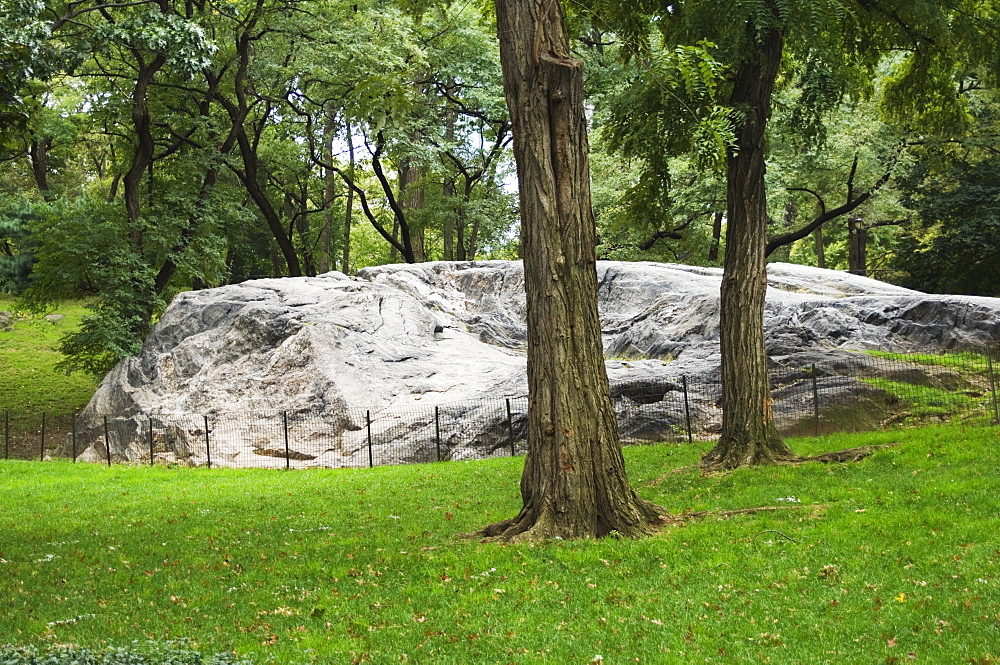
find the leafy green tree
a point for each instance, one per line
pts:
(956, 245)
(17, 256)
(822, 187)
(827, 48)
(120, 54)
(952, 192)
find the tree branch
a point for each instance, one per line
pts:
(825, 216)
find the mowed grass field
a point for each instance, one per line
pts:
(29, 382)
(894, 559)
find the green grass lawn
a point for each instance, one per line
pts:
(894, 559)
(29, 383)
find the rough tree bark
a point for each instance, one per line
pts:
(325, 261)
(574, 483)
(411, 201)
(448, 189)
(857, 247)
(345, 259)
(749, 436)
(38, 157)
(820, 248)
(713, 252)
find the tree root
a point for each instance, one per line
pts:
(726, 514)
(774, 531)
(531, 527)
(895, 418)
(841, 456)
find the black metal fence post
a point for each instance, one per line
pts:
(6, 434)
(437, 431)
(815, 398)
(41, 452)
(152, 445)
(208, 443)
(288, 454)
(510, 428)
(368, 419)
(687, 408)
(76, 416)
(993, 380)
(107, 440)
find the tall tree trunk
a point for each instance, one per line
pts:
(857, 247)
(749, 436)
(394, 251)
(411, 201)
(574, 483)
(140, 313)
(713, 251)
(250, 175)
(142, 157)
(325, 262)
(346, 258)
(38, 156)
(401, 239)
(300, 220)
(460, 236)
(448, 189)
(169, 267)
(200, 208)
(820, 248)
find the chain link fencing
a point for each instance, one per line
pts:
(837, 393)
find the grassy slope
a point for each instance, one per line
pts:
(893, 559)
(29, 383)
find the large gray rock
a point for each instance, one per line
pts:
(341, 356)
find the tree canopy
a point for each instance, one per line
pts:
(154, 146)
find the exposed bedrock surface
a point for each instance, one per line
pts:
(407, 338)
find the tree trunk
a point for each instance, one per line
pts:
(144, 146)
(411, 201)
(199, 211)
(448, 189)
(460, 235)
(401, 238)
(857, 247)
(749, 436)
(324, 261)
(38, 156)
(300, 220)
(574, 483)
(713, 251)
(251, 177)
(820, 248)
(169, 267)
(346, 258)
(394, 251)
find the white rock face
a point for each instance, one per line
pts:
(412, 337)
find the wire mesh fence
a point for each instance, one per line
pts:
(832, 393)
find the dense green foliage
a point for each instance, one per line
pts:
(955, 247)
(851, 563)
(152, 147)
(169, 145)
